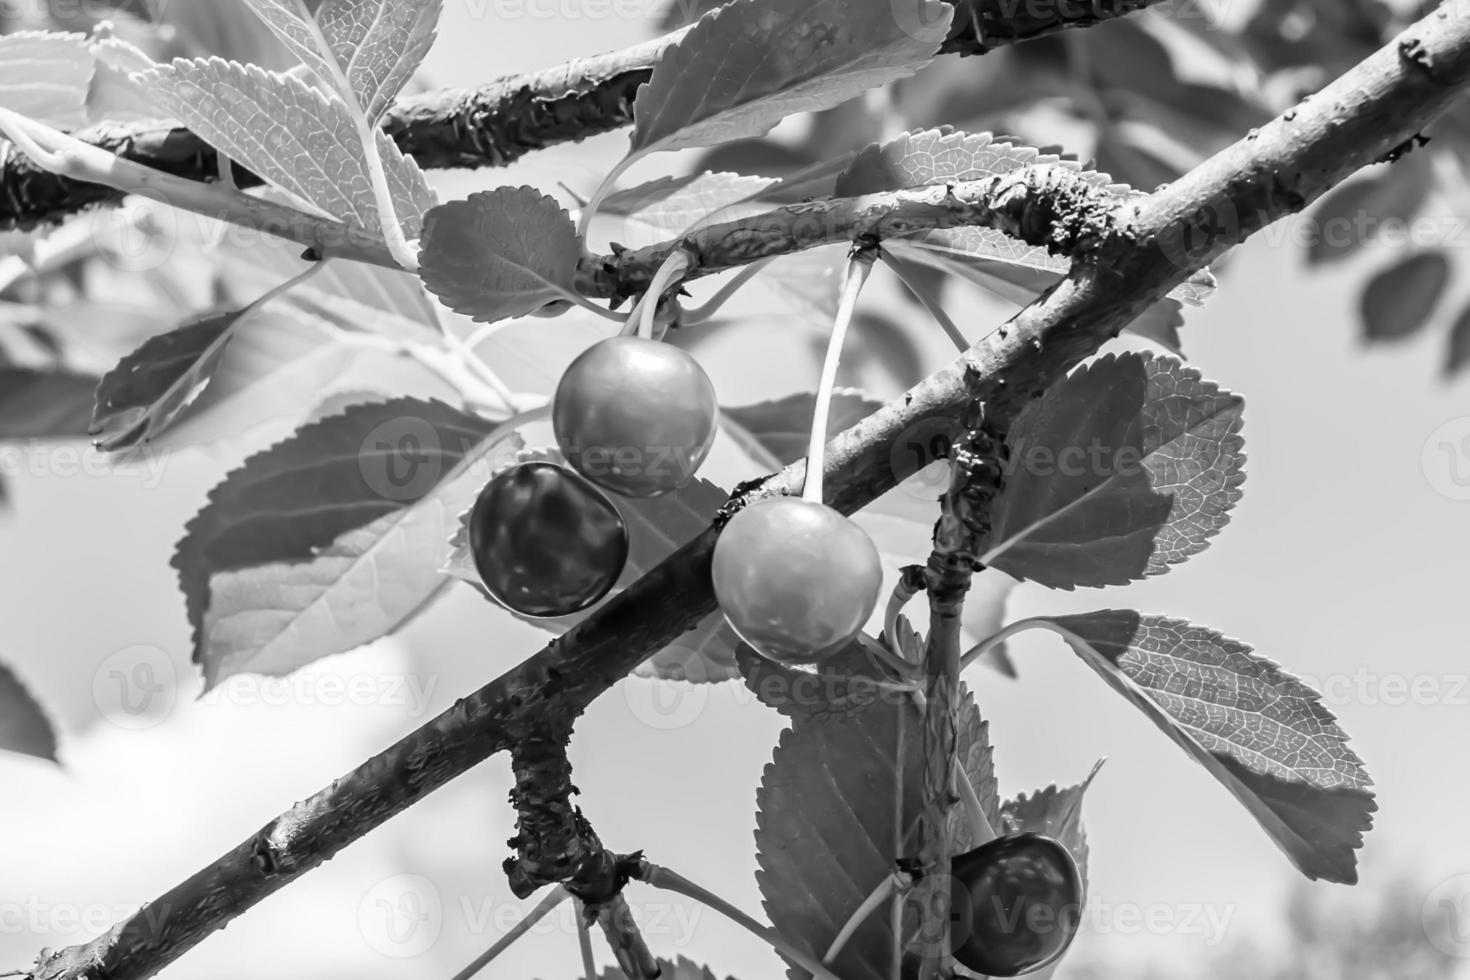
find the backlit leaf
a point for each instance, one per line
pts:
(1260, 731)
(379, 44)
(746, 66)
(45, 75)
(499, 254)
(1127, 467)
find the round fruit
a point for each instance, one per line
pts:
(796, 579)
(635, 416)
(1016, 903)
(545, 541)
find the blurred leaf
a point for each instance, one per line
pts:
(1399, 299)
(226, 28)
(318, 158)
(24, 727)
(152, 386)
(764, 157)
(782, 428)
(669, 206)
(838, 806)
(1264, 734)
(1353, 215)
(45, 77)
(499, 254)
(1129, 466)
(378, 44)
(1459, 346)
(44, 404)
(985, 615)
(682, 13)
(368, 466)
(750, 64)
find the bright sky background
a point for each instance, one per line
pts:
(1346, 556)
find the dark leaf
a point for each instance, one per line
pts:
(44, 404)
(24, 727)
(1398, 300)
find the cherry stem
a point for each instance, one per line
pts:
(906, 273)
(870, 905)
(858, 267)
(661, 877)
(712, 305)
(547, 906)
(678, 263)
(584, 221)
(979, 822)
(910, 583)
(584, 942)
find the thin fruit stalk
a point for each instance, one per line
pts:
(978, 468)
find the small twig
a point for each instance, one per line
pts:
(905, 272)
(584, 943)
(547, 905)
(876, 898)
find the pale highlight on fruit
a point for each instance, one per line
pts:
(795, 579)
(635, 416)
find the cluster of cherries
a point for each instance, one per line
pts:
(636, 417)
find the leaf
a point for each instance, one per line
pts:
(1459, 346)
(1357, 213)
(845, 685)
(675, 969)
(782, 428)
(271, 373)
(936, 156)
(657, 527)
(44, 404)
(837, 807)
(1055, 812)
(24, 727)
(284, 19)
(379, 44)
(499, 254)
(291, 134)
(45, 76)
(1129, 466)
(300, 496)
(152, 386)
(1260, 731)
(669, 206)
(746, 66)
(1398, 300)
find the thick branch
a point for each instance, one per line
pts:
(1276, 171)
(501, 121)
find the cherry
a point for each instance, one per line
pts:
(635, 416)
(796, 579)
(545, 541)
(1016, 903)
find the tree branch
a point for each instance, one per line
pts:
(499, 122)
(1161, 239)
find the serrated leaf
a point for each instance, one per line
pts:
(24, 726)
(44, 404)
(837, 807)
(367, 466)
(1130, 465)
(657, 527)
(1260, 731)
(378, 44)
(675, 969)
(152, 386)
(1398, 300)
(935, 156)
(746, 66)
(845, 685)
(1055, 812)
(499, 254)
(284, 18)
(291, 134)
(45, 75)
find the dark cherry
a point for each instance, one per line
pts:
(1016, 904)
(546, 542)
